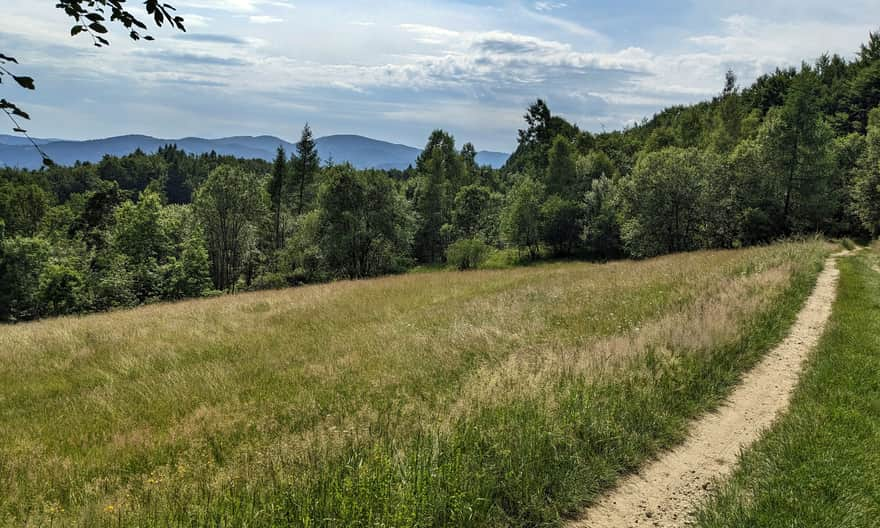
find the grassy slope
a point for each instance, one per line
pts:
(820, 465)
(435, 399)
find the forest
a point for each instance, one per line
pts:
(795, 153)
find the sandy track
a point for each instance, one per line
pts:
(666, 491)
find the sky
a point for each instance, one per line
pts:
(397, 70)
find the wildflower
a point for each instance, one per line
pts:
(109, 508)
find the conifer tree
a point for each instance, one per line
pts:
(306, 166)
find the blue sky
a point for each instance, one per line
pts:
(396, 70)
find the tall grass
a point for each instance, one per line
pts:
(468, 399)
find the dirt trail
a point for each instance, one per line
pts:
(665, 492)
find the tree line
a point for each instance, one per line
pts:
(797, 152)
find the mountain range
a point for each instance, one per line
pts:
(362, 152)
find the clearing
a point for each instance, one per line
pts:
(510, 397)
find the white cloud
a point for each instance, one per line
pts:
(540, 14)
(430, 34)
(431, 64)
(233, 6)
(196, 21)
(265, 19)
(549, 6)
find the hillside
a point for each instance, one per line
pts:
(438, 399)
(362, 152)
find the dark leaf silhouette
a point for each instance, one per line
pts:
(97, 27)
(24, 82)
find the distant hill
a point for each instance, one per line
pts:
(6, 139)
(360, 151)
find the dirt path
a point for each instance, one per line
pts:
(665, 492)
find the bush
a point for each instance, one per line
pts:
(467, 254)
(269, 281)
(504, 259)
(61, 289)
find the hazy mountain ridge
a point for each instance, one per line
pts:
(360, 151)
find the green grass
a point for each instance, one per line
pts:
(487, 398)
(820, 464)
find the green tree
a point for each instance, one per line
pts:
(601, 228)
(96, 215)
(22, 264)
(473, 211)
(660, 138)
(521, 222)
(728, 117)
(594, 166)
(561, 170)
(137, 234)
(23, 206)
(689, 126)
(180, 169)
(756, 192)
(135, 171)
(863, 89)
(440, 174)
(866, 182)
(535, 140)
(303, 260)
(660, 203)
(226, 203)
(306, 164)
(189, 274)
(61, 289)
(187, 269)
(847, 151)
(722, 203)
(365, 226)
(561, 222)
(470, 168)
(797, 142)
(276, 186)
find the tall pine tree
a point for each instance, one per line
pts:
(306, 166)
(276, 193)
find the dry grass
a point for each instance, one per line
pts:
(256, 406)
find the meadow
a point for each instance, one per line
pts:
(484, 398)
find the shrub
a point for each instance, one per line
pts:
(504, 259)
(61, 289)
(467, 254)
(270, 281)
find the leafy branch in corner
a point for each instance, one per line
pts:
(91, 18)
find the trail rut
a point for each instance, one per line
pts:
(666, 491)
